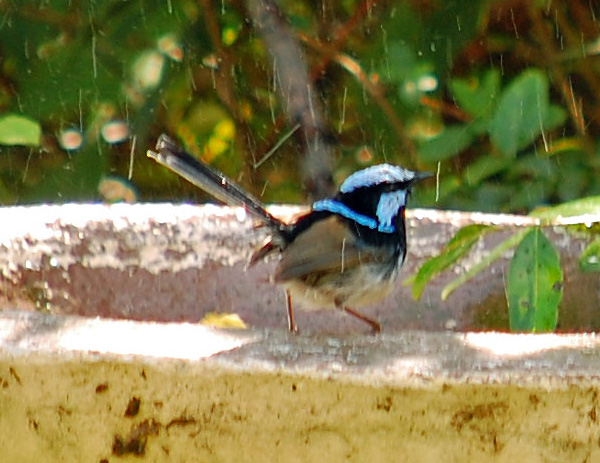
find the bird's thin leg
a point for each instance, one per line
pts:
(374, 324)
(290, 312)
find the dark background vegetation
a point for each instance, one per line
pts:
(498, 98)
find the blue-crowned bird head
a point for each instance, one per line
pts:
(379, 175)
(374, 197)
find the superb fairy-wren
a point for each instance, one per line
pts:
(345, 252)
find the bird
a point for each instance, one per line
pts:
(345, 252)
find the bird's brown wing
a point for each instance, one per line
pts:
(327, 247)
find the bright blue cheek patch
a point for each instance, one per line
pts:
(388, 206)
(331, 205)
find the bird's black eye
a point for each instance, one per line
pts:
(389, 187)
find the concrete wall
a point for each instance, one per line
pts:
(81, 381)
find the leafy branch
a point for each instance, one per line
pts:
(535, 278)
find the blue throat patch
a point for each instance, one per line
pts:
(331, 205)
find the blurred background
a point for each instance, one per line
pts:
(498, 98)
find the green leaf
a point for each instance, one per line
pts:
(525, 197)
(477, 96)
(16, 129)
(457, 247)
(555, 118)
(566, 145)
(77, 180)
(590, 257)
(446, 31)
(523, 113)
(400, 61)
(589, 205)
(535, 283)
(485, 167)
(449, 143)
(534, 166)
(494, 254)
(479, 127)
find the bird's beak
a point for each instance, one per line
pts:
(421, 176)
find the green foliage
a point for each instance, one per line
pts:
(451, 142)
(456, 248)
(590, 257)
(80, 67)
(535, 284)
(424, 89)
(484, 262)
(579, 207)
(513, 118)
(523, 113)
(477, 95)
(16, 129)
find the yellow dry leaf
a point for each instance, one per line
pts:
(223, 320)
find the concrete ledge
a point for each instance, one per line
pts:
(78, 389)
(176, 263)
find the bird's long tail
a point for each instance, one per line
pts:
(210, 180)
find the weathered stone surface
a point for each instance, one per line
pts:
(77, 389)
(176, 263)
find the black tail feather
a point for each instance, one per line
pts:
(211, 180)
